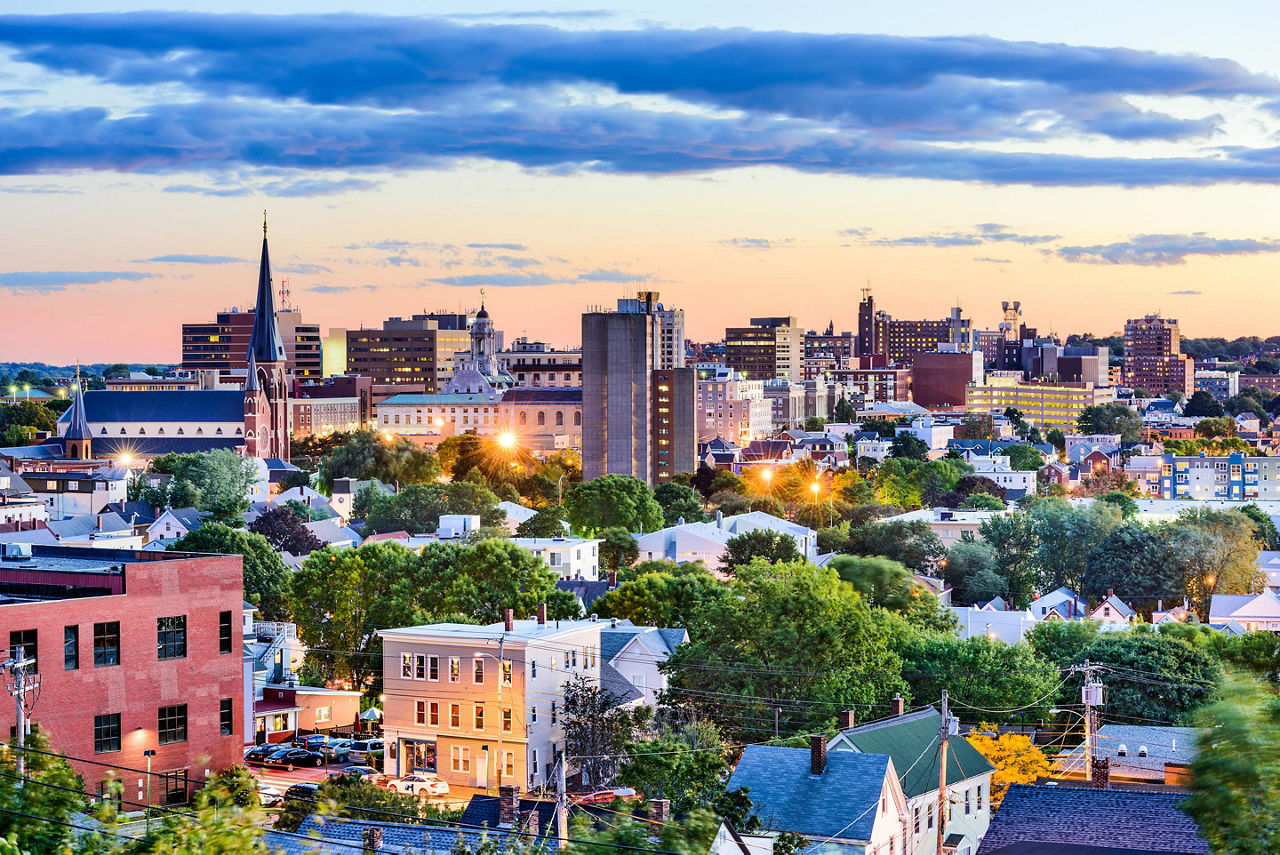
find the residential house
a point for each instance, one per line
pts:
(1136, 754)
(1063, 603)
(173, 523)
(1113, 614)
(910, 740)
(841, 801)
(345, 490)
(950, 525)
(456, 692)
(871, 445)
(1252, 611)
(1018, 482)
(1091, 821)
(1007, 626)
(75, 494)
(636, 652)
(706, 542)
(569, 557)
(107, 530)
(1269, 566)
(517, 514)
(312, 499)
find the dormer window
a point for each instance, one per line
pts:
(179, 431)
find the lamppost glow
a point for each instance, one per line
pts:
(815, 487)
(507, 440)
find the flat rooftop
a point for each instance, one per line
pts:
(78, 559)
(521, 630)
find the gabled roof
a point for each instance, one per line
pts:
(612, 681)
(482, 810)
(1121, 607)
(181, 405)
(658, 643)
(905, 738)
(1129, 821)
(106, 523)
(190, 518)
(840, 803)
(585, 590)
(138, 513)
(341, 836)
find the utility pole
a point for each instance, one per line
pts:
(20, 683)
(502, 670)
(1092, 695)
(562, 805)
(777, 711)
(944, 734)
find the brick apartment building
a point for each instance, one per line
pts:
(1153, 357)
(224, 344)
(135, 651)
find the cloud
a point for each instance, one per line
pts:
(1186, 293)
(40, 189)
(275, 93)
(509, 247)
(393, 245)
(302, 268)
(60, 280)
(756, 243)
(612, 276)
(179, 258)
(567, 14)
(999, 233)
(942, 241)
(854, 232)
(981, 234)
(402, 261)
(1164, 250)
(499, 280)
(339, 289)
(987, 260)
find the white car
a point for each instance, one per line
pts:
(269, 796)
(419, 784)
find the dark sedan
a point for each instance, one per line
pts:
(259, 753)
(288, 758)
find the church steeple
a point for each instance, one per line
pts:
(78, 440)
(265, 344)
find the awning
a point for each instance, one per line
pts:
(270, 707)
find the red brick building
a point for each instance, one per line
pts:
(135, 651)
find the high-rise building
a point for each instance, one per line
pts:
(621, 353)
(1153, 358)
(417, 350)
(941, 378)
(827, 351)
(732, 407)
(769, 348)
(899, 341)
(223, 344)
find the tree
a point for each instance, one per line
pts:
(815, 424)
(1064, 537)
(1024, 458)
(978, 672)
(306, 513)
(51, 792)
(1102, 483)
(596, 727)
(910, 447)
(295, 478)
(970, 570)
(911, 543)
(1015, 757)
(612, 500)
(1057, 438)
(367, 455)
(1132, 559)
(1128, 507)
(480, 581)
(32, 414)
(1174, 677)
(547, 522)
(619, 548)
(1215, 427)
(1062, 642)
(844, 413)
(416, 508)
(679, 502)
(1235, 777)
(883, 581)
(1202, 405)
(982, 502)
(1264, 530)
(265, 577)
(17, 435)
(285, 532)
(1215, 551)
(971, 484)
(218, 481)
(887, 428)
(685, 763)
(762, 543)
(664, 599)
(1013, 537)
(1111, 418)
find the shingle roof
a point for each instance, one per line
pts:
(568, 395)
(839, 803)
(111, 523)
(585, 590)
(1163, 744)
(612, 681)
(1133, 820)
(186, 405)
(483, 811)
(337, 834)
(905, 738)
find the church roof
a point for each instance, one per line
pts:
(186, 405)
(251, 375)
(265, 344)
(77, 424)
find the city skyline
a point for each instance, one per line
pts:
(1093, 169)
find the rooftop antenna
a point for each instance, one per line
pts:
(264, 222)
(284, 294)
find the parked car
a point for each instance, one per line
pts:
(603, 797)
(311, 742)
(361, 749)
(288, 758)
(302, 792)
(269, 796)
(258, 753)
(359, 773)
(421, 785)
(339, 750)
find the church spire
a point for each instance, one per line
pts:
(265, 344)
(77, 441)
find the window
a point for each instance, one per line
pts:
(174, 787)
(575, 657)
(433, 667)
(224, 632)
(533, 715)
(455, 715)
(929, 809)
(433, 714)
(510, 765)
(227, 720)
(420, 667)
(171, 637)
(506, 719)
(533, 761)
(477, 670)
(553, 712)
(71, 648)
(406, 665)
(26, 639)
(915, 819)
(638, 680)
(420, 712)
(566, 659)
(106, 644)
(455, 669)
(967, 802)
(533, 668)
(173, 724)
(461, 758)
(979, 791)
(106, 733)
(506, 672)
(479, 717)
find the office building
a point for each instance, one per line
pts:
(1220, 384)
(536, 363)
(1042, 403)
(333, 352)
(417, 350)
(223, 344)
(675, 427)
(827, 351)
(1153, 359)
(135, 652)
(1085, 364)
(770, 348)
(942, 378)
(899, 340)
(732, 407)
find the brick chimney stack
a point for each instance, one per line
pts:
(613, 579)
(817, 754)
(508, 805)
(530, 825)
(508, 620)
(542, 614)
(659, 816)
(1100, 776)
(897, 706)
(846, 719)
(372, 839)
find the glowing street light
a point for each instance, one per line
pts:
(815, 487)
(507, 440)
(126, 460)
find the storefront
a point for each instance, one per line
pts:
(417, 756)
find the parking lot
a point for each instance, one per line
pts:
(282, 780)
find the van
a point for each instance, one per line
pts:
(361, 749)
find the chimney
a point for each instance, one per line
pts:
(530, 824)
(372, 839)
(1111, 592)
(1159, 605)
(508, 805)
(1101, 774)
(99, 522)
(542, 614)
(897, 706)
(508, 619)
(846, 719)
(817, 753)
(719, 519)
(659, 814)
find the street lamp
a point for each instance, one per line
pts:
(149, 753)
(1209, 582)
(506, 440)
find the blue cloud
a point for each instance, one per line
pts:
(999, 233)
(276, 93)
(756, 243)
(301, 268)
(509, 247)
(60, 280)
(339, 289)
(499, 280)
(981, 234)
(179, 258)
(1186, 293)
(988, 260)
(1163, 250)
(612, 276)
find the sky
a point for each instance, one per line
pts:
(741, 159)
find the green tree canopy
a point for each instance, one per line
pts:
(367, 455)
(547, 522)
(285, 531)
(1024, 458)
(265, 577)
(1202, 405)
(762, 543)
(679, 502)
(612, 500)
(1111, 418)
(911, 543)
(680, 763)
(978, 672)
(664, 599)
(1172, 677)
(907, 446)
